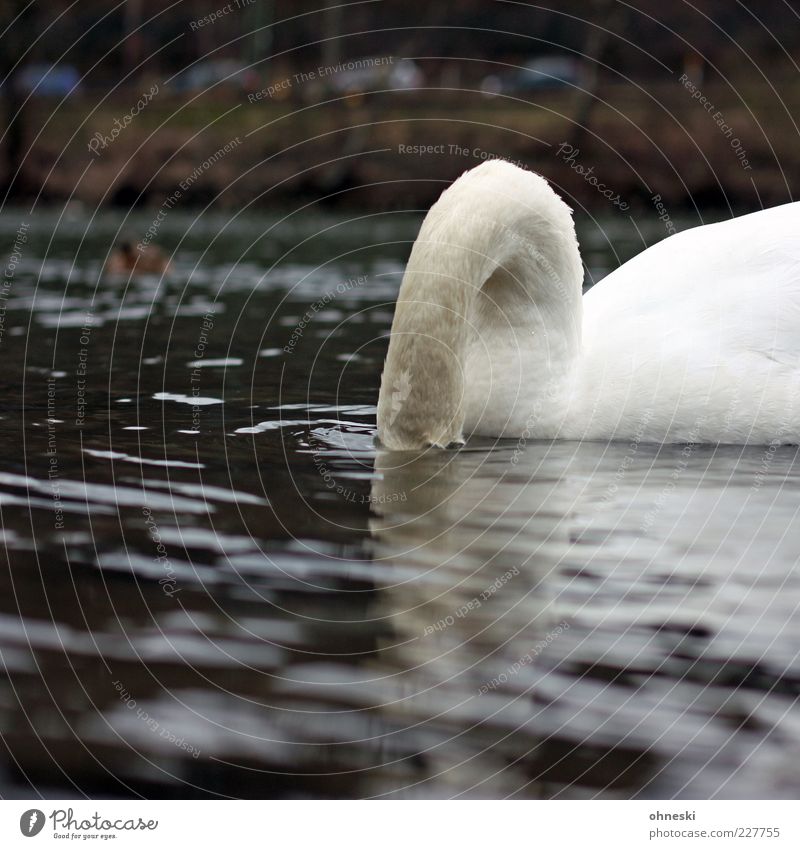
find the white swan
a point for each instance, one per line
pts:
(697, 339)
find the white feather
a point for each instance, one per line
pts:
(697, 339)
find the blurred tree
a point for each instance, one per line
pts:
(331, 47)
(258, 19)
(21, 16)
(611, 22)
(132, 43)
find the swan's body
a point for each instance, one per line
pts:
(697, 339)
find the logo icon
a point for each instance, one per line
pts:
(31, 822)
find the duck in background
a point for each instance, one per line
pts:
(144, 259)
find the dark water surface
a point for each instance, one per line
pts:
(213, 586)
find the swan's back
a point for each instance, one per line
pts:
(698, 337)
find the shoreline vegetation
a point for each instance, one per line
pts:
(397, 150)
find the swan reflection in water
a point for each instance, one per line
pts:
(575, 619)
(476, 540)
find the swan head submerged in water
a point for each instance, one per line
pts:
(696, 339)
(488, 317)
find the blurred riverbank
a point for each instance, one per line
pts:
(397, 149)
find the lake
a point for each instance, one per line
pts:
(215, 586)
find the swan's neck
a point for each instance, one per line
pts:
(487, 328)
